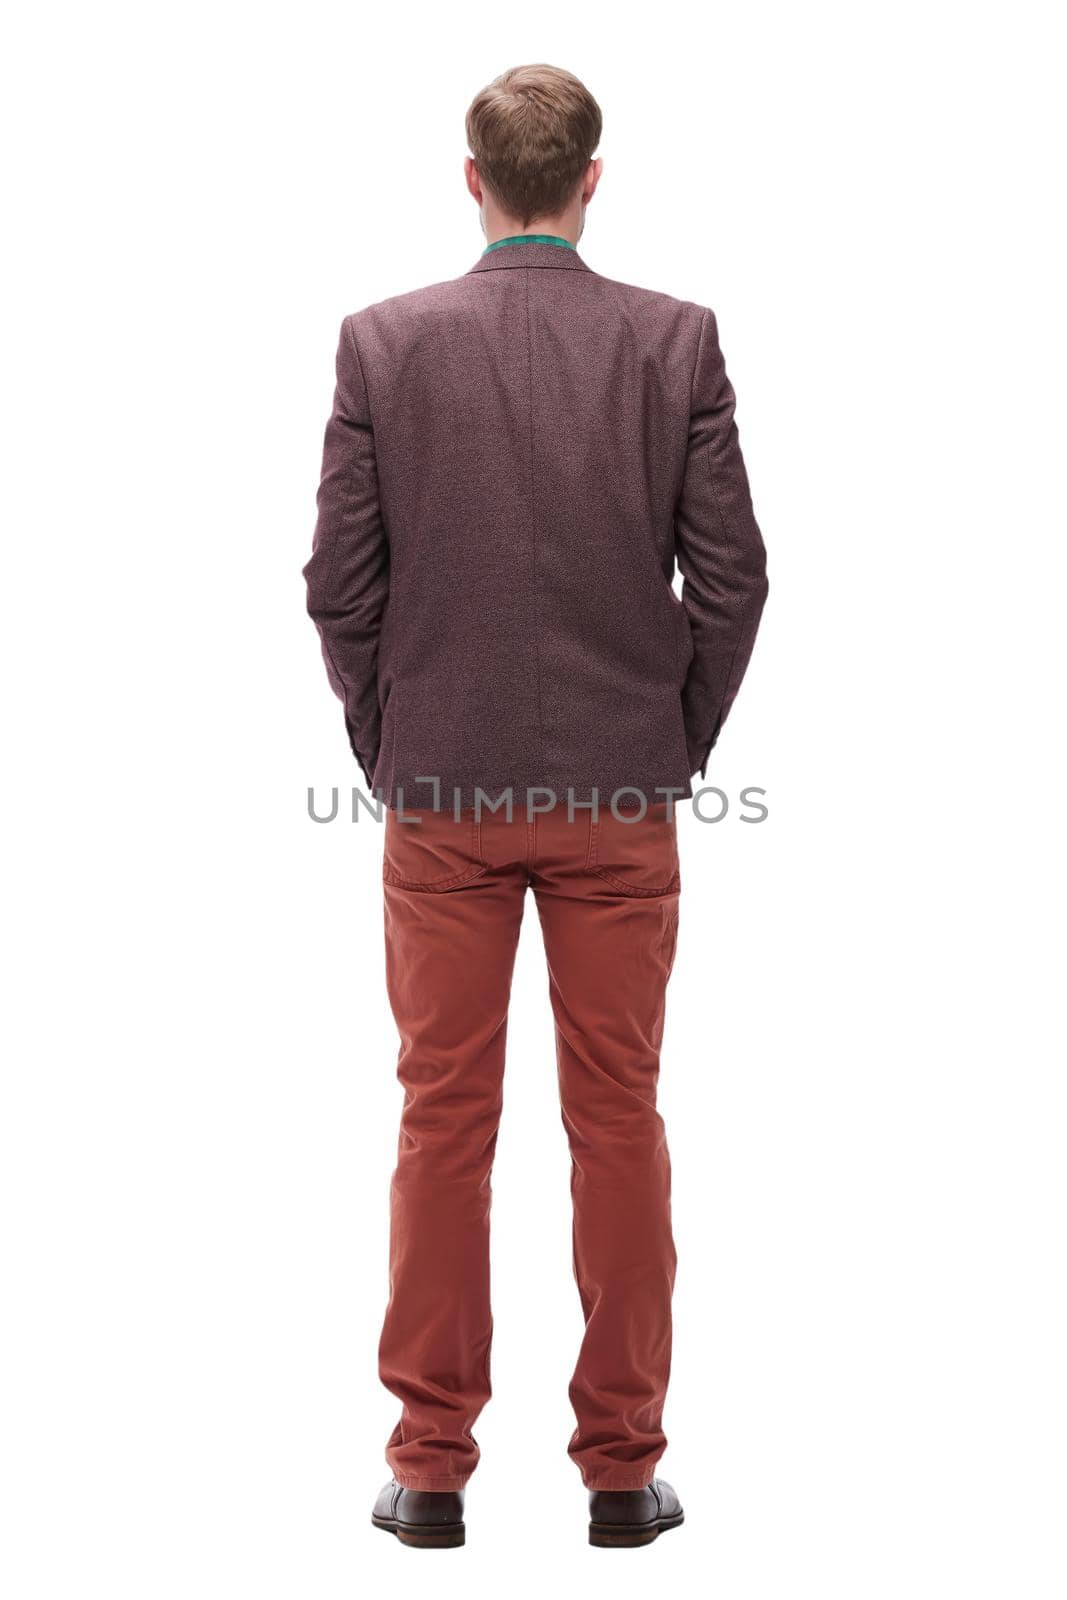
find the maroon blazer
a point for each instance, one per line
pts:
(515, 461)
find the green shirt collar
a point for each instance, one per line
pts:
(529, 238)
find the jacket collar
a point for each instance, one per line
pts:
(521, 253)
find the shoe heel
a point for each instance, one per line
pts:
(433, 1539)
(619, 1538)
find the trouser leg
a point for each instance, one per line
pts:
(449, 959)
(610, 954)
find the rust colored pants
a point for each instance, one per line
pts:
(607, 896)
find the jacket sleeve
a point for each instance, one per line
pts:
(719, 550)
(348, 574)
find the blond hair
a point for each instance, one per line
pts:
(532, 133)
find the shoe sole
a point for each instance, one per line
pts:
(610, 1536)
(445, 1537)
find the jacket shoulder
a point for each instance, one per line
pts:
(654, 300)
(411, 306)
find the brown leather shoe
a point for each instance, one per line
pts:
(633, 1516)
(432, 1520)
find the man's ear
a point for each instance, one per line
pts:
(591, 179)
(474, 183)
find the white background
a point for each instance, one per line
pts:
(860, 1078)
